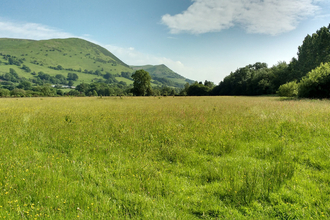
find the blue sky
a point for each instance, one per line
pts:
(199, 39)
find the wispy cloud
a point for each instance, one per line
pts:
(34, 31)
(256, 16)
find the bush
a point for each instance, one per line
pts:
(17, 92)
(4, 92)
(316, 84)
(289, 89)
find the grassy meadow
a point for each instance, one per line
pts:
(164, 158)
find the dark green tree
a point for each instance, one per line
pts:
(61, 78)
(26, 85)
(314, 50)
(26, 68)
(107, 76)
(198, 89)
(141, 83)
(72, 76)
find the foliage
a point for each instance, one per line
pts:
(164, 158)
(72, 76)
(198, 89)
(253, 79)
(141, 85)
(12, 76)
(14, 61)
(289, 89)
(17, 92)
(26, 68)
(126, 75)
(316, 84)
(314, 51)
(257, 79)
(25, 85)
(4, 92)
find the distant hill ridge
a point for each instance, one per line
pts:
(162, 71)
(80, 56)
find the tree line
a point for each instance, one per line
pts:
(308, 75)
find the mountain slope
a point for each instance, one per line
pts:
(162, 73)
(69, 53)
(89, 61)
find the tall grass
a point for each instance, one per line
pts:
(164, 158)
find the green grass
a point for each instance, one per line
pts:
(127, 81)
(164, 158)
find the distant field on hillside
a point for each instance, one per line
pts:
(164, 158)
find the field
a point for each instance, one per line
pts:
(164, 158)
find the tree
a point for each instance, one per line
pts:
(94, 93)
(4, 92)
(198, 89)
(70, 83)
(26, 85)
(98, 73)
(26, 68)
(13, 72)
(141, 83)
(17, 92)
(107, 76)
(61, 78)
(314, 50)
(83, 87)
(72, 76)
(316, 84)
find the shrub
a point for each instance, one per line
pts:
(4, 92)
(289, 89)
(316, 84)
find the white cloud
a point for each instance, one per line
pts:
(256, 16)
(29, 31)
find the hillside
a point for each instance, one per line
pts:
(162, 74)
(58, 56)
(89, 61)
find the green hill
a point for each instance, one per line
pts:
(89, 61)
(60, 56)
(162, 74)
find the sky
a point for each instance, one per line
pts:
(198, 39)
